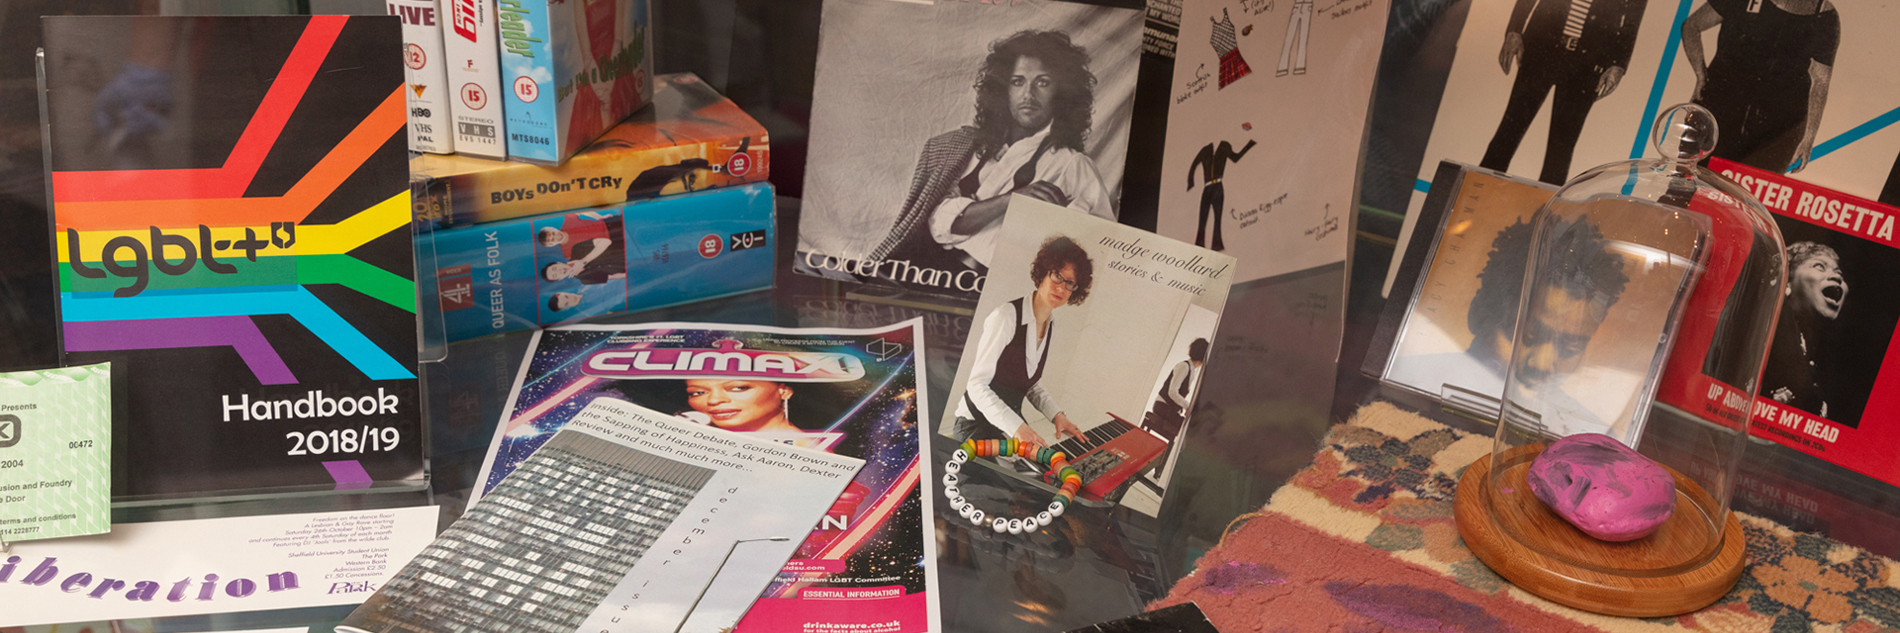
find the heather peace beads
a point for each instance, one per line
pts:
(1053, 459)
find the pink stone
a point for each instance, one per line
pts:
(1604, 488)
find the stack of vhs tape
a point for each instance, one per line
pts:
(527, 80)
(667, 207)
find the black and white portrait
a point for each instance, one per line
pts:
(1571, 52)
(1456, 340)
(927, 118)
(1838, 311)
(1570, 305)
(1767, 80)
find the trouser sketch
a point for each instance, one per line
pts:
(1298, 27)
(1214, 202)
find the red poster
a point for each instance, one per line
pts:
(1831, 385)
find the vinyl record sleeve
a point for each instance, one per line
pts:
(917, 139)
(1831, 385)
(1550, 110)
(231, 205)
(1120, 356)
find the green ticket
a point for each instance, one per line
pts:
(55, 452)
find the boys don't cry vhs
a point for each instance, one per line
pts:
(231, 207)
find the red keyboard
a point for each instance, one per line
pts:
(1108, 455)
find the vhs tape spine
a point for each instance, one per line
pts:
(474, 74)
(493, 277)
(427, 92)
(528, 67)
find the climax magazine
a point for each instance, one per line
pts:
(907, 187)
(1069, 284)
(851, 392)
(615, 525)
(255, 231)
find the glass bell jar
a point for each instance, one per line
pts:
(1647, 307)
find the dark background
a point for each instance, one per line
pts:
(761, 54)
(1853, 345)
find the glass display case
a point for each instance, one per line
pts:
(1277, 379)
(1677, 269)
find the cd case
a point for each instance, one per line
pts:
(1446, 330)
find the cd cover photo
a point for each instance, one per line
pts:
(927, 117)
(1038, 365)
(1455, 340)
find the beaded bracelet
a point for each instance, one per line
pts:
(1053, 459)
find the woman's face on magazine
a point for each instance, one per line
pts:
(736, 404)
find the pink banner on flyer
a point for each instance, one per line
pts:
(872, 610)
(813, 566)
(853, 593)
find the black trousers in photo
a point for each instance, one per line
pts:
(968, 429)
(1542, 71)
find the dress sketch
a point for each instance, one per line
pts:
(1767, 82)
(1299, 25)
(1212, 161)
(1577, 50)
(1227, 45)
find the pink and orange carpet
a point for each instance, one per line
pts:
(1362, 540)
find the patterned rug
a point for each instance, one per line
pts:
(1363, 540)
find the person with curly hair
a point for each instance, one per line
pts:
(1814, 295)
(1012, 350)
(1576, 295)
(1580, 284)
(1035, 98)
(1492, 317)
